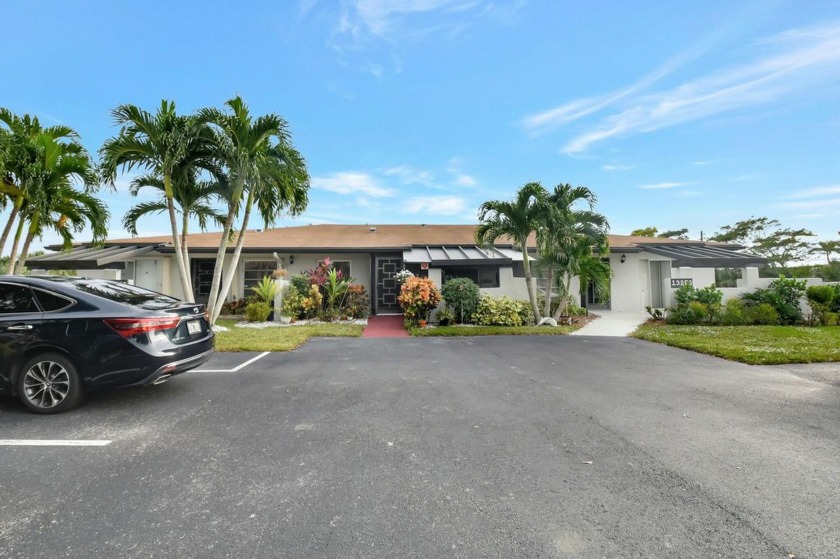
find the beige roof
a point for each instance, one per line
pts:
(365, 237)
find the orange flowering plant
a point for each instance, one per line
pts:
(418, 297)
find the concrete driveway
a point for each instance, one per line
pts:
(466, 447)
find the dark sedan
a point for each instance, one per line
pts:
(62, 337)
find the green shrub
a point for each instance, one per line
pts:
(235, 306)
(821, 300)
(783, 295)
(300, 283)
(461, 296)
(357, 302)
(445, 317)
(696, 305)
(525, 312)
(497, 311)
(257, 311)
(266, 290)
(763, 314)
(734, 313)
(681, 315)
(293, 304)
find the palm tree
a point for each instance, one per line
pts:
(263, 169)
(21, 138)
(516, 220)
(193, 198)
(161, 143)
(567, 236)
(826, 247)
(51, 199)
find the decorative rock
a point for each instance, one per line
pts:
(547, 321)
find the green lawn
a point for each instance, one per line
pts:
(278, 338)
(446, 331)
(755, 345)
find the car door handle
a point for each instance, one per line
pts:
(19, 327)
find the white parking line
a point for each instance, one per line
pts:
(235, 369)
(51, 442)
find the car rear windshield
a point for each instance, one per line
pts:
(125, 293)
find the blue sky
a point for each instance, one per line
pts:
(676, 114)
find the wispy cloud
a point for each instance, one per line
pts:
(389, 19)
(409, 175)
(352, 183)
(822, 203)
(615, 168)
(436, 205)
(545, 121)
(818, 191)
(782, 66)
(465, 180)
(662, 185)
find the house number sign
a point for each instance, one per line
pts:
(679, 282)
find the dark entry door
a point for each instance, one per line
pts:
(387, 289)
(202, 278)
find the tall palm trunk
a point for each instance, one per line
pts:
(549, 278)
(220, 254)
(529, 283)
(170, 206)
(185, 224)
(8, 228)
(565, 281)
(13, 256)
(24, 252)
(234, 262)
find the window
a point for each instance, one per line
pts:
(342, 266)
(51, 301)
(256, 270)
(484, 276)
(727, 277)
(16, 299)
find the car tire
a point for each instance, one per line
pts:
(49, 383)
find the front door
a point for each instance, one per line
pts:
(387, 288)
(202, 278)
(594, 300)
(660, 270)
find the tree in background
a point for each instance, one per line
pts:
(681, 234)
(745, 232)
(783, 246)
(645, 232)
(826, 247)
(517, 220)
(263, 169)
(765, 237)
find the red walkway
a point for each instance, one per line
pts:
(385, 326)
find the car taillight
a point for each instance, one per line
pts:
(128, 327)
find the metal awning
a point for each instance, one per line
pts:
(704, 256)
(451, 255)
(89, 258)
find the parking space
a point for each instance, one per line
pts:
(505, 447)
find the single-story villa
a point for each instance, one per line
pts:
(646, 270)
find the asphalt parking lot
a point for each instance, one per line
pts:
(464, 447)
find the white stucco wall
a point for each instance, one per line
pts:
(629, 291)
(509, 286)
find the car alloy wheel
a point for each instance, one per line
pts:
(49, 384)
